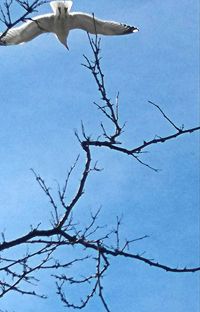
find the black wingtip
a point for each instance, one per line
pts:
(130, 29)
(135, 29)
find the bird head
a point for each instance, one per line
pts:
(61, 7)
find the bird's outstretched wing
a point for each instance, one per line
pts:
(93, 25)
(28, 30)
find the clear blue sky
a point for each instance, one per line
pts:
(45, 93)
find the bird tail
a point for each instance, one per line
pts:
(58, 6)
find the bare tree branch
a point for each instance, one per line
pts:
(94, 242)
(5, 13)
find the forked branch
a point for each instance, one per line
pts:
(46, 245)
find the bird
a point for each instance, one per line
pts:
(60, 23)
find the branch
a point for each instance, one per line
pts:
(140, 148)
(111, 112)
(6, 18)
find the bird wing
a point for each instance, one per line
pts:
(29, 30)
(93, 25)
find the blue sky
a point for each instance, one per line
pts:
(45, 93)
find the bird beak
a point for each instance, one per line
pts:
(66, 46)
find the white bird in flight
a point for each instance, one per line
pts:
(60, 22)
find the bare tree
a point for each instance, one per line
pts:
(40, 248)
